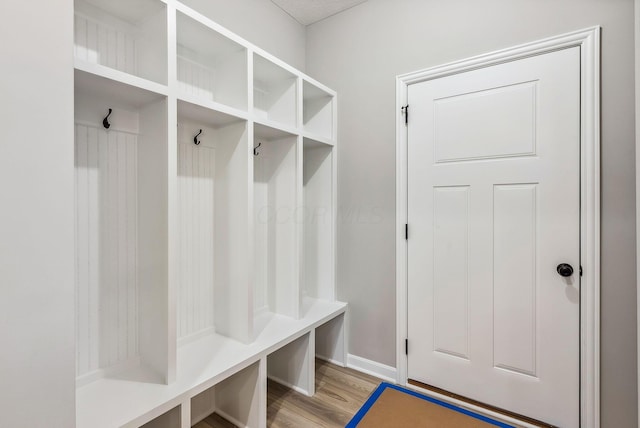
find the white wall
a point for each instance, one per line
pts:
(359, 53)
(262, 23)
(37, 348)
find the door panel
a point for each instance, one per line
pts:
(514, 277)
(451, 272)
(493, 185)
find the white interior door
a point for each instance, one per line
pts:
(493, 209)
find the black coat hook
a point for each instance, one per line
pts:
(195, 139)
(255, 149)
(105, 121)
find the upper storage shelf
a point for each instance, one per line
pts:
(210, 66)
(130, 37)
(274, 93)
(318, 112)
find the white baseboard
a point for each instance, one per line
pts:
(384, 372)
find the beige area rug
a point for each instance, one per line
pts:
(392, 406)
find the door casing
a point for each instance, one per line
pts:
(589, 42)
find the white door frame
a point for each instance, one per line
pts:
(589, 42)
(636, 26)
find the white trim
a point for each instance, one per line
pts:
(185, 415)
(589, 42)
(637, 85)
(373, 368)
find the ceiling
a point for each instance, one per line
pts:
(309, 11)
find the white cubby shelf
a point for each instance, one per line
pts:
(275, 89)
(202, 365)
(209, 65)
(318, 112)
(124, 36)
(205, 220)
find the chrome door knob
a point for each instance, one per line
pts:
(564, 269)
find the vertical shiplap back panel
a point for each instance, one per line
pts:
(195, 79)
(261, 234)
(196, 166)
(99, 43)
(106, 256)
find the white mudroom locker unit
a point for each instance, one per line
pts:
(205, 210)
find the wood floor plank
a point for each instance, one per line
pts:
(355, 385)
(340, 392)
(310, 408)
(334, 396)
(322, 366)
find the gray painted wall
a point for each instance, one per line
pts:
(262, 23)
(37, 356)
(359, 53)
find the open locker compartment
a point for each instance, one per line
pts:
(210, 66)
(130, 37)
(212, 210)
(318, 273)
(239, 399)
(317, 111)
(274, 93)
(275, 203)
(121, 231)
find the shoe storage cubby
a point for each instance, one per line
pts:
(130, 38)
(293, 365)
(236, 399)
(205, 220)
(331, 342)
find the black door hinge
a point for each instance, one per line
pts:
(405, 111)
(406, 346)
(406, 232)
(580, 270)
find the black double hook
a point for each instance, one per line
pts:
(255, 149)
(105, 121)
(195, 139)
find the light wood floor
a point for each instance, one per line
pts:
(340, 392)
